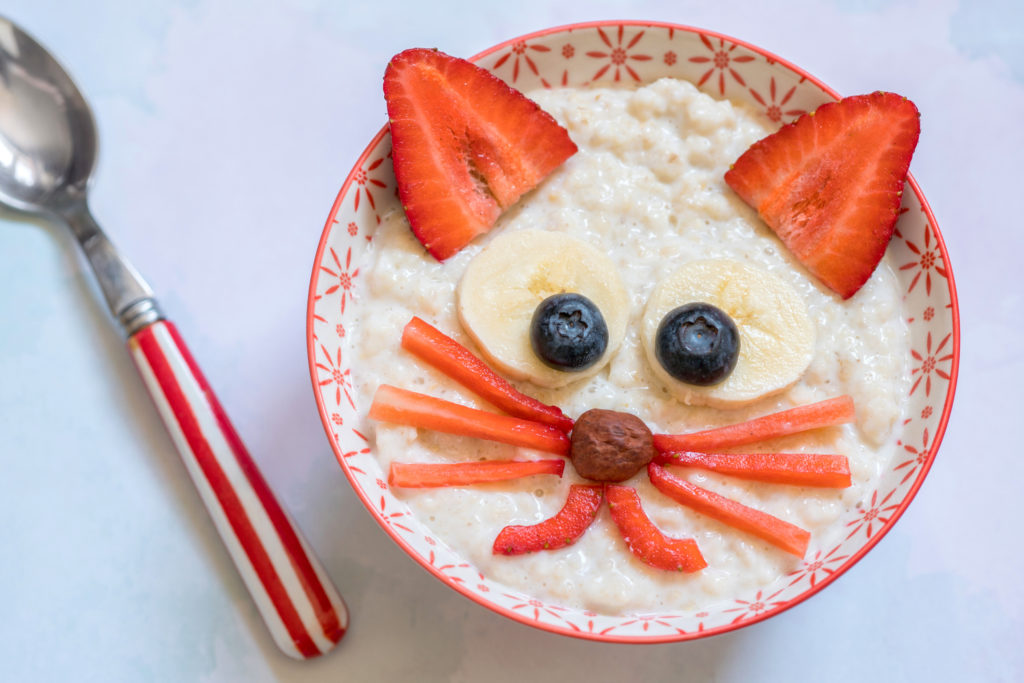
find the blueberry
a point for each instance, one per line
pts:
(568, 332)
(698, 344)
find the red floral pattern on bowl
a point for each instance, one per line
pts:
(639, 52)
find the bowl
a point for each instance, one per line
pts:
(638, 52)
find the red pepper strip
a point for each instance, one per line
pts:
(563, 529)
(781, 534)
(453, 359)
(645, 540)
(429, 475)
(799, 469)
(832, 411)
(391, 404)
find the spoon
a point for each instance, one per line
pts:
(47, 153)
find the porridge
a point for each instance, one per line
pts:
(646, 189)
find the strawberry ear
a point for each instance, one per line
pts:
(830, 184)
(465, 146)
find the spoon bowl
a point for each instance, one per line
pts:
(48, 138)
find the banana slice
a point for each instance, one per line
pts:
(776, 334)
(504, 284)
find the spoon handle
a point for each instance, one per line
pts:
(301, 607)
(297, 600)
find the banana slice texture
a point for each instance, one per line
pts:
(503, 285)
(777, 336)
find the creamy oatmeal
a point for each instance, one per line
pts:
(646, 188)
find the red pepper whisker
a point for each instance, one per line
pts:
(830, 412)
(779, 533)
(432, 475)
(824, 470)
(401, 406)
(442, 352)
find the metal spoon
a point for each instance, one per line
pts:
(47, 154)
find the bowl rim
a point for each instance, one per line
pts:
(848, 563)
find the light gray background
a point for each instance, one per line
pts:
(227, 129)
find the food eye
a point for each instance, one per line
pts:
(568, 332)
(775, 336)
(525, 280)
(697, 343)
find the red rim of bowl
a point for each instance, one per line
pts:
(852, 560)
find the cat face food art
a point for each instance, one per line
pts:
(535, 299)
(625, 386)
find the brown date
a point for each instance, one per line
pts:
(610, 446)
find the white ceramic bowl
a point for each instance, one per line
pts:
(638, 52)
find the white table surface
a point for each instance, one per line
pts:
(226, 130)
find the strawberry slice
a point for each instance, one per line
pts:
(465, 146)
(779, 533)
(829, 184)
(431, 345)
(400, 406)
(645, 540)
(563, 529)
(432, 475)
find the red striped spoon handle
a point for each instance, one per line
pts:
(300, 606)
